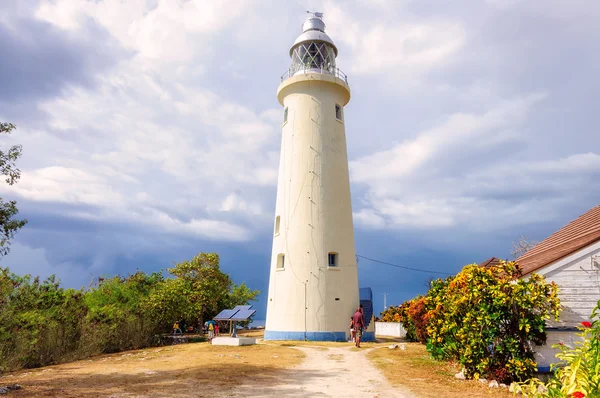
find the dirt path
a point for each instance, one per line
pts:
(327, 372)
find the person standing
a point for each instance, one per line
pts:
(176, 328)
(217, 329)
(359, 324)
(352, 334)
(211, 331)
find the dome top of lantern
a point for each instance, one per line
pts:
(313, 30)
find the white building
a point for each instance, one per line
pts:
(571, 258)
(313, 285)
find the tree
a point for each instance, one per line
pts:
(204, 285)
(8, 210)
(206, 289)
(522, 246)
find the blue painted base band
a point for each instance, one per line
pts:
(543, 369)
(310, 336)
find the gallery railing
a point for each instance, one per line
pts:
(328, 71)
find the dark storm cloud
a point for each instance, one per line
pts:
(38, 60)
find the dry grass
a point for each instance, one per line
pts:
(414, 369)
(256, 333)
(181, 370)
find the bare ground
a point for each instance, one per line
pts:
(333, 371)
(288, 369)
(191, 370)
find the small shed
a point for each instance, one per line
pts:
(571, 258)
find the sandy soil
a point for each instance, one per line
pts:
(327, 372)
(203, 370)
(183, 370)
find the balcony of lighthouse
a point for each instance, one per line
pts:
(336, 72)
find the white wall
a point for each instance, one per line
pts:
(392, 329)
(578, 280)
(545, 355)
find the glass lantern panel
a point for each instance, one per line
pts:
(313, 55)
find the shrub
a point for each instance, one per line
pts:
(418, 315)
(42, 323)
(488, 320)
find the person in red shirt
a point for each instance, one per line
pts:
(359, 324)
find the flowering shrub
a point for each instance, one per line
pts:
(488, 320)
(417, 313)
(400, 314)
(578, 372)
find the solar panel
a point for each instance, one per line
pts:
(225, 315)
(243, 315)
(243, 307)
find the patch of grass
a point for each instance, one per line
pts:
(414, 369)
(180, 370)
(335, 357)
(256, 333)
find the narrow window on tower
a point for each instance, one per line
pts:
(277, 221)
(285, 115)
(333, 259)
(281, 261)
(338, 112)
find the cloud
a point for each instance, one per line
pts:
(163, 33)
(42, 60)
(149, 145)
(458, 133)
(403, 47)
(450, 176)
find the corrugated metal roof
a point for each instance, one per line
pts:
(576, 235)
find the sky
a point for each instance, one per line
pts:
(151, 131)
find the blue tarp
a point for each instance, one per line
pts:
(366, 299)
(365, 293)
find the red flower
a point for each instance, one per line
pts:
(586, 324)
(578, 394)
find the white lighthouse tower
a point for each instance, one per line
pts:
(313, 285)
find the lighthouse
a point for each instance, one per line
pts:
(313, 284)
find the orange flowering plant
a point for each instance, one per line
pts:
(489, 319)
(400, 314)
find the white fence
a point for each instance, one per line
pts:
(393, 329)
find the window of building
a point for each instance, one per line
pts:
(338, 112)
(281, 261)
(333, 259)
(277, 221)
(285, 114)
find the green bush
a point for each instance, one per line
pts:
(488, 320)
(42, 323)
